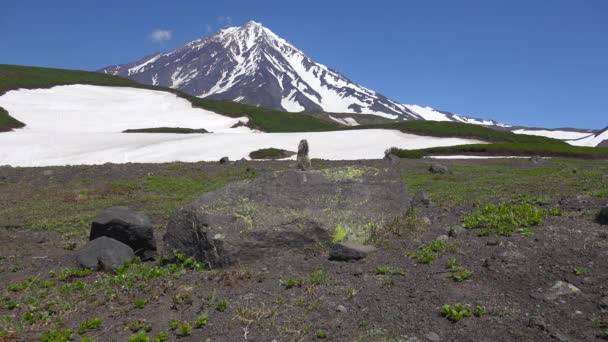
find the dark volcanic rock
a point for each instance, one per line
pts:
(421, 199)
(346, 251)
(391, 158)
(303, 161)
(438, 168)
(224, 160)
(104, 254)
(602, 216)
(253, 219)
(131, 228)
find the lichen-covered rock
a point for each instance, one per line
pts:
(129, 227)
(255, 218)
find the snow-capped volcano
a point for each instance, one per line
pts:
(251, 64)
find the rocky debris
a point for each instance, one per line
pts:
(303, 161)
(433, 337)
(421, 199)
(602, 216)
(559, 289)
(224, 160)
(346, 251)
(48, 173)
(129, 227)
(538, 323)
(438, 168)
(341, 308)
(256, 218)
(442, 238)
(391, 158)
(537, 160)
(455, 231)
(603, 303)
(104, 254)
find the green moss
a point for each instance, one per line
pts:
(339, 234)
(343, 173)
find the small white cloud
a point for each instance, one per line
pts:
(226, 20)
(160, 36)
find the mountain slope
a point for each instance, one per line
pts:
(251, 64)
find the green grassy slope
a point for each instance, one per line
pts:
(510, 149)
(15, 77)
(462, 130)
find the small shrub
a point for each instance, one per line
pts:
(140, 325)
(480, 311)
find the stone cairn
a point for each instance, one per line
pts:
(303, 161)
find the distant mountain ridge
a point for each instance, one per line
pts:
(251, 64)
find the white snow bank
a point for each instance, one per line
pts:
(81, 124)
(23, 148)
(555, 134)
(590, 141)
(88, 109)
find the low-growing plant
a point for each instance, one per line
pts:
(140, 303)
(90, 324)
(183, 329)
(480, 311)
(140, 325)
(387, 269)
(428, 252)
(456, 312)
(505, 218)
(69, 273)
(581, 271)
(318, 277)
(143, 337)
(201, 321)
(461, 275)
(292, 282)
(221, 306)
(57, 335)
(321, 333)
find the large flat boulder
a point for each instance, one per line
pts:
(104, 254)
(129, 227)
(254, 218)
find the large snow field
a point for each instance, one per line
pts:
(87, 108)
(81, 124)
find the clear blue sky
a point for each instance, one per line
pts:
(529, 62)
